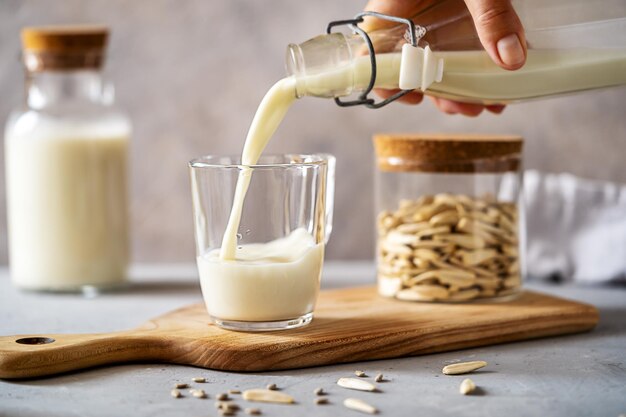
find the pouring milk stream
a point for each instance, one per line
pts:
(286, 270)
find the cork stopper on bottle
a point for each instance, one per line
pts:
(64, 47)
(448, 153)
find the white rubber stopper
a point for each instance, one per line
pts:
(429, 72)
(410, 67)
(439, 76)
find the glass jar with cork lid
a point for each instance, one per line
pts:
(450, 217)
(66, 152)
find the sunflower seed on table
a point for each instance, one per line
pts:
(222, 396)
(234, 391)
(319, 391)
(321, 400)
(267, 396)
(359, 405)
(252, 411)
(356, 384)
(226, 405)
(199, 379)
(176, 393)
(181, 386)
(199, 393)
(379, 378)
(272, 387)
(360, 374)
(463, 367)
(467, 386)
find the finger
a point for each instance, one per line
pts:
(496, 108)
(500, 31)
(412, 98)
(400, 8)
(453, 107)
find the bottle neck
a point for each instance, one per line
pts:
(46, 89)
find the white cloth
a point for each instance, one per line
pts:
(576, 228)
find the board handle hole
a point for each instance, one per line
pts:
(34, 340)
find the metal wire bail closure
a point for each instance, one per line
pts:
(363, 99)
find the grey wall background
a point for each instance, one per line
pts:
(191, 73)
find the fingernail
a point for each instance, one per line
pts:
(510, 50)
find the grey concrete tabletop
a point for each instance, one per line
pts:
(577, 375)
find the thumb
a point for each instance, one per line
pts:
(500, 31)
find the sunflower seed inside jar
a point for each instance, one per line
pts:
(448, 248)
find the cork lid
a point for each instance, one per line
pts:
(452, 153)
(64, 47)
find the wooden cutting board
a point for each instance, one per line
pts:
(350, 325)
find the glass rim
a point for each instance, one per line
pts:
(319, 159)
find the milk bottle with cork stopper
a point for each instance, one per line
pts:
(66, 152)
(573, 46)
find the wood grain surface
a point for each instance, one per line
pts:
(350, 325)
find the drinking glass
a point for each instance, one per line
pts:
(273, 282)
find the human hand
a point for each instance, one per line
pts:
(499, 29)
